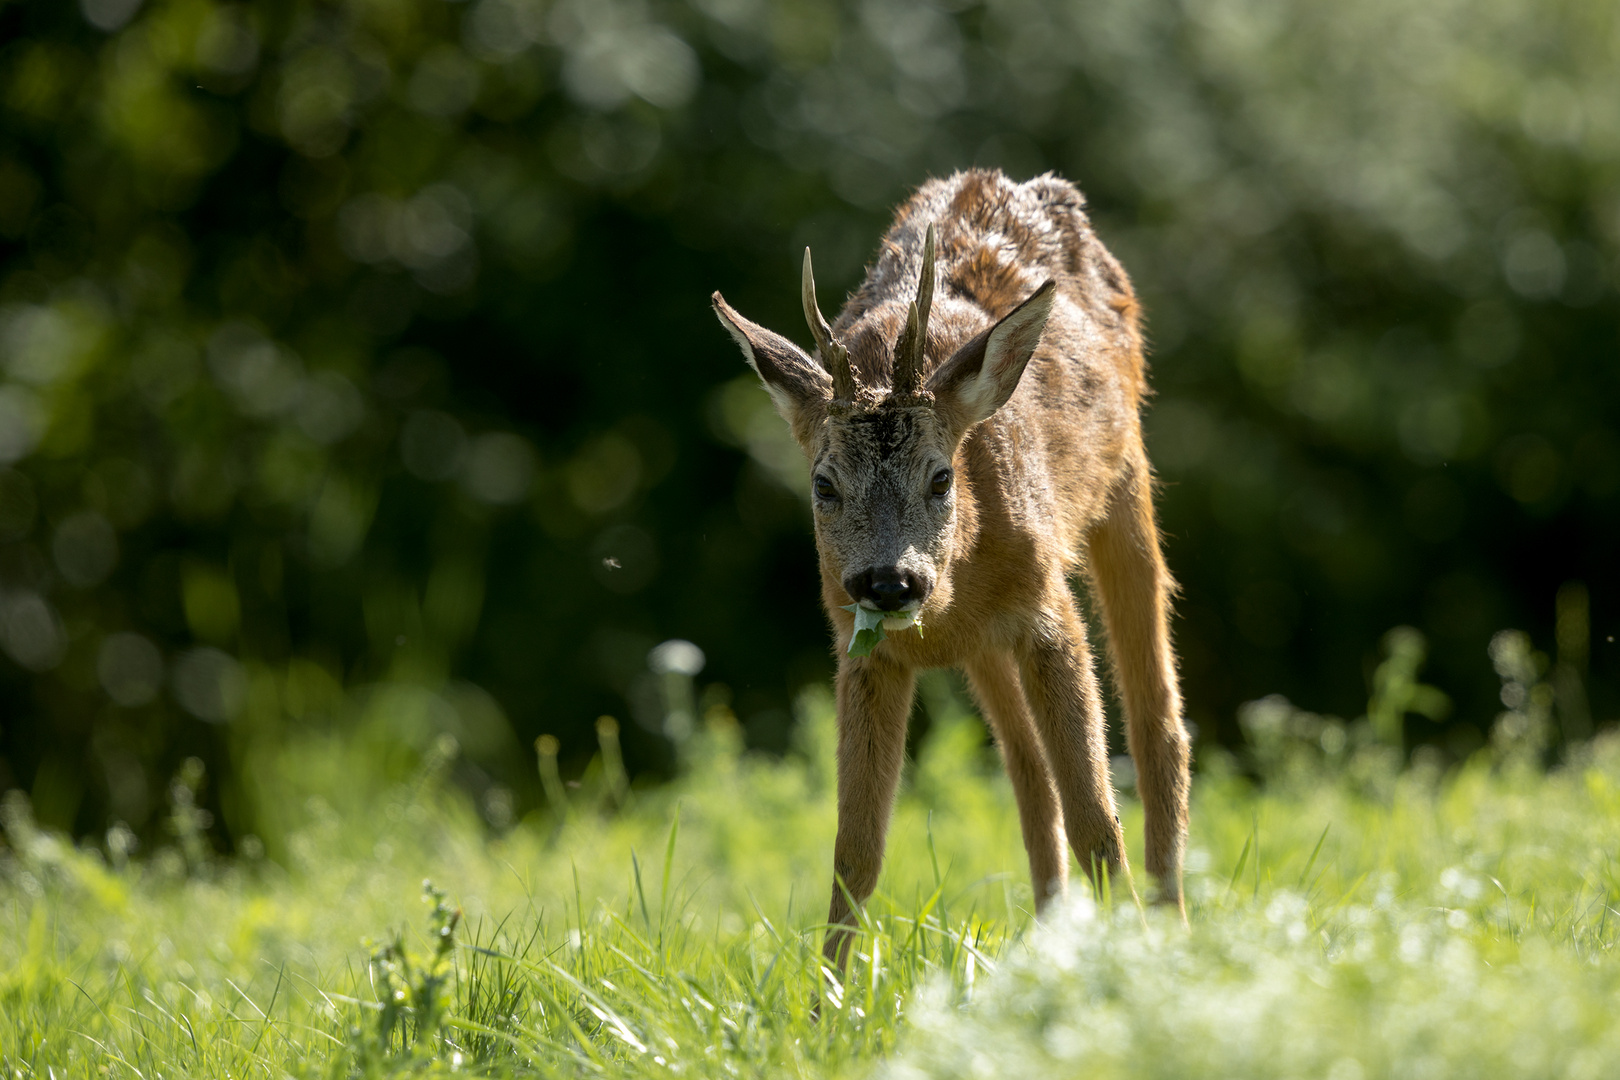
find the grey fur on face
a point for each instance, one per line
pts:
(885, 512)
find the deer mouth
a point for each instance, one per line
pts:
(902, 620)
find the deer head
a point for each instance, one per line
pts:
(883, 458)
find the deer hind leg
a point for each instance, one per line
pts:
(874, 702)
(1062, 688)
(1133, 588)
(994, 678)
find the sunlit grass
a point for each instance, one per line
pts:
(1464, 927)
(1353, 923)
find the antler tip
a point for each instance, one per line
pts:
(833, 355)
(914, 339)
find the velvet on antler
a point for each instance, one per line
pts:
(834, 357)
(908, 351)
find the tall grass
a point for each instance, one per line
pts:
(1347, 920)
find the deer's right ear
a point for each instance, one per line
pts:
(792, 378)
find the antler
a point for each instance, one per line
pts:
(833, 355)
(908, 352)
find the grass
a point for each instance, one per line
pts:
(1347, 920)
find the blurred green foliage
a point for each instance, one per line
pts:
(365, 344)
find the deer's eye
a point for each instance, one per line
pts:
(941, 486)
(824, 488)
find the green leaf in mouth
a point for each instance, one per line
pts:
(872, 627)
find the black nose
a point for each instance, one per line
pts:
(889, 587)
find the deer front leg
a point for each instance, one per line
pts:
(874, 702)
(994, 677)
(1133, 589)
(1062, 690)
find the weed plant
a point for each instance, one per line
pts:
(1348, 919)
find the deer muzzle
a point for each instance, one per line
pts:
(887, 588)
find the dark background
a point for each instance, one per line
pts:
(344, 341)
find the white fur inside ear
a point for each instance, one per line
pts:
(783, 402)
(779, 398)
(1009, 348)
(740, 338)
(980, 397)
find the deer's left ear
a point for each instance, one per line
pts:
(792, 378)
(981, 375)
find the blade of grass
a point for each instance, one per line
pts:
(635, 865)
(1243, 860)
(1317, 850)
(669, 861)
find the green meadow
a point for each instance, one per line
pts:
(366, 433)
(1348, 918)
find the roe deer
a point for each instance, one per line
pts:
(969, 452)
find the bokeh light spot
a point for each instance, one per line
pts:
(130, 668)
(432, 444)
(85, 548)
(210, 684)
(499, 468)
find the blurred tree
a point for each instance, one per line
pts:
(352, 343)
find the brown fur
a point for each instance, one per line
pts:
(1054, 483)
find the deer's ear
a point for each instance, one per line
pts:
(792, 378)
(981, 375)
